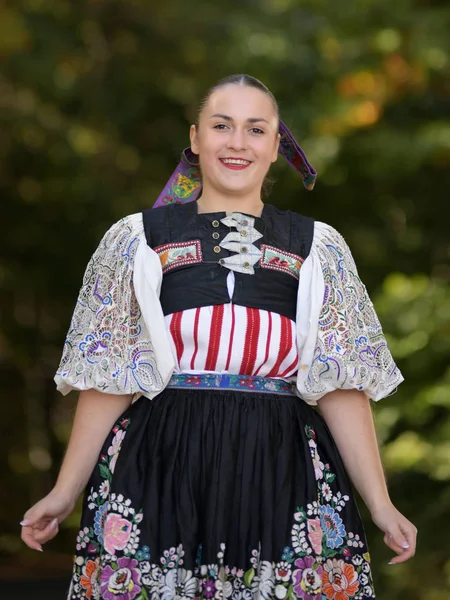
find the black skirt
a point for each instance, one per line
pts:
(220, 494)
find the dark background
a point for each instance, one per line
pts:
(96, 98)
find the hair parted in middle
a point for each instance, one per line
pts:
(242, 80)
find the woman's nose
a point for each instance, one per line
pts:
(236, 140)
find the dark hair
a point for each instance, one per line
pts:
(242, 79)
(245, 80)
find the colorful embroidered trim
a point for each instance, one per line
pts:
(279, 260)
(185, 183)
(178, 254)
(295, 156)
(225, 381)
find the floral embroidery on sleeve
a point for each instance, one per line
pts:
(108, 346)
(350, 350)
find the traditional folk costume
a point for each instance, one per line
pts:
(222, 480)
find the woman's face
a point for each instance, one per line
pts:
(237, 139)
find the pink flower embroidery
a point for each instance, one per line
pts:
(315, 535)
(116, 443)
(117, 533)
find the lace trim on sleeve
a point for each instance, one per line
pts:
(108, 345)
(341, 343)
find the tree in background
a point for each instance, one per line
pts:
(95, 102)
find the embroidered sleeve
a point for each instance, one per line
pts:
(340, 338)
(108, 347)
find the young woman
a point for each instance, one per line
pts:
(205, 332)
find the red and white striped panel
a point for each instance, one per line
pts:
(228, 338)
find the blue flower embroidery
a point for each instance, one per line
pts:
(99, 521)
(332, 526)
(288, 555)
(143, 553)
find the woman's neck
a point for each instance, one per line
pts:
(209, 203)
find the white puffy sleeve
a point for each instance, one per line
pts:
(108, 345)
(340, 339)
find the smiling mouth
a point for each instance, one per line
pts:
(235, 163)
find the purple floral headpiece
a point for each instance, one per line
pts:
(185, 183)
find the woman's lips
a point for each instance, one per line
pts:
(234, 166)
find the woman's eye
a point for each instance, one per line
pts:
(223, 126)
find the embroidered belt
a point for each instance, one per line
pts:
(225, 381)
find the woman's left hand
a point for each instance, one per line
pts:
(399, 533)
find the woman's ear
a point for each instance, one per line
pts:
(194, 141)
(277, 147)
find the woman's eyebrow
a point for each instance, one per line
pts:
(230, 119)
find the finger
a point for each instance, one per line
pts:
(410, 534)
(36, 524)
(391, 542)
(32, 517)
(398, 537)
(28, 537)
(406, 555)
(48, 533)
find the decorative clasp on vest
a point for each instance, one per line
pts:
(241, 242)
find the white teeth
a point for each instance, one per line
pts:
(235, 161)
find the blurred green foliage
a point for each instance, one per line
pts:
(95, 102)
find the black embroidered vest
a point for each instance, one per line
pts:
(192, 258)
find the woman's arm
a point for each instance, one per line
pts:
(349, 417)
(95, 415)
(94, 418)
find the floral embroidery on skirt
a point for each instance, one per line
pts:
(236, 544)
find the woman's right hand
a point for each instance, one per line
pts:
(40, 523)
(95, 416)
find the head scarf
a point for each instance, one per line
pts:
(185, 183)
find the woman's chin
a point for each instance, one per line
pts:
(236, 188)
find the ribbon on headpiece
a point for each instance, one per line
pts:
(185, 183)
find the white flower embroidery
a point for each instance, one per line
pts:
(327, 492)
(104, 489)
(266, 583)
(283, 571)
(179, 584)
